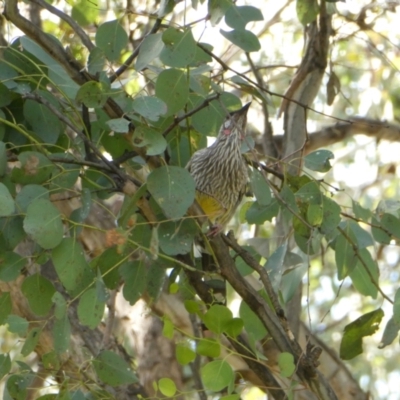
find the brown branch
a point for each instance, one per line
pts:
(230, 240)
(177, 120)
(308, 375)
(358, 255)
(71, 22)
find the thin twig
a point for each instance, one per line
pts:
(358, 255)
(177, 120)
(226, 67)
(132, 57)
(230, 240)
(70, 21)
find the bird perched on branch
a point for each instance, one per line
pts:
(220, 171)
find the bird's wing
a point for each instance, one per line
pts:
(210, 205)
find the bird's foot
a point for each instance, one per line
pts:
(215, 230)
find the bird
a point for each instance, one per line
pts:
(220, 172)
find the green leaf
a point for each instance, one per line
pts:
(5, 365)
(3, 155)
(10, 266)
(361, 212)
(252, 323)
(378, 233)
(362, 279)
(307, 11)
(391, 224)
(168, 328)
(149, 107)
(113, 370)
(7, 206)
(119, 125)
(173, 189)
(17, 386)
(38, 291)
(51, 361)
(173, 89)
(184, 354)
(43, 223)
(18, 325)
(240, 264)
(242, 38)
(35, 168)
(234, 327)
(108, 264)
(156, 278)
(258, 214)
(315, 214)
(5, 307)
(11, 232)
(90, 309)
(179, 49)
(31, 341)
(396, 307)
(286, 364)
(192, 306)
(44, 123)
(134, 275)
(366, 325)
(93, 94)
(150, 138)
(260, 188)
(363, 237)
(209, 119)
(60, 309)
(390, 333)
(319, 160)
(208, 347)
(331, 215)
(216, 318)
(84, 13)
(28, 194)
(274, 266)
(217, 9)
(112, 39)
(237, 17)
(149, 50)
(5, 96)
(72, 267)
(96, 61)
(230, 397)
(167, 387)
(177, 237)
(345, 256)
(61, 334)
(217, 375)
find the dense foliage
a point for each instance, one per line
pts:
(101, 110)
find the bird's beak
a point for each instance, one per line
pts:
(241, 111)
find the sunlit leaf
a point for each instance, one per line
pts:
(307, 10)
(286, 364)
(217, 375)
